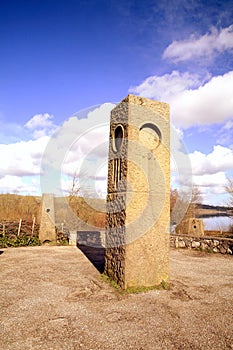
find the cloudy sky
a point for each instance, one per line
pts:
(60, 58)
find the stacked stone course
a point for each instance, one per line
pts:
(209, 244)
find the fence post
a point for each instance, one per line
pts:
(20, 222)
(33, 224)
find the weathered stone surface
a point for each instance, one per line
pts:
(138, 201)
(188, 242)
(222, 250)
(204, 246)
(181, 244)
(191, 226)
(223, 245)
(47, 230)
(196, 244)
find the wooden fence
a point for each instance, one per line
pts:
(18, 228)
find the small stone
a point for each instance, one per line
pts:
(188, 243)
(222, 250)
(229, 251)
(225, 245)
(204, 246)
(181, 244)
(196, 244)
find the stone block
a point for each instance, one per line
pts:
(196, 244)
(181, 244)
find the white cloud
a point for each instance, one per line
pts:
(77, 144)
(211, 102)
(211, 187)
(40, 121)
(81, 146)
(225, 134)
(22, 158)
(203, 46)
(167, 86)
(180, 161)
(215, 181)
(219, 160)
(209, 174)
(84, 139)
(41, 125)
(16, 184)
(20, 161)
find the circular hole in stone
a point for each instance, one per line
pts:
(149, 136)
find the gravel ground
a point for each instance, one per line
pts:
(53, 298)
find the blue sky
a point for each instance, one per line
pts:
(60, 57)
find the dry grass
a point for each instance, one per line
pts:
(15, 207)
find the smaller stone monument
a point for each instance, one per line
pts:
(47, 231)
(192, 227)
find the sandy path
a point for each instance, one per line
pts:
(53, 298)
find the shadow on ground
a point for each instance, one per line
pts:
(90, 243)
(95, 255)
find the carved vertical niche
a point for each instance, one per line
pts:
(117, 141)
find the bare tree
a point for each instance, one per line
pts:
(179, 205)
(195, 200)
(184, 206)
(196, 195)
(229, 190)
(74, 189)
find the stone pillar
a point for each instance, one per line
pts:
(47, 231)
(138, 199)
(195, 227)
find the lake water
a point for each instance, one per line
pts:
(219, 223)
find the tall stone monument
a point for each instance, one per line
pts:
(47, 231)
(138, 199)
